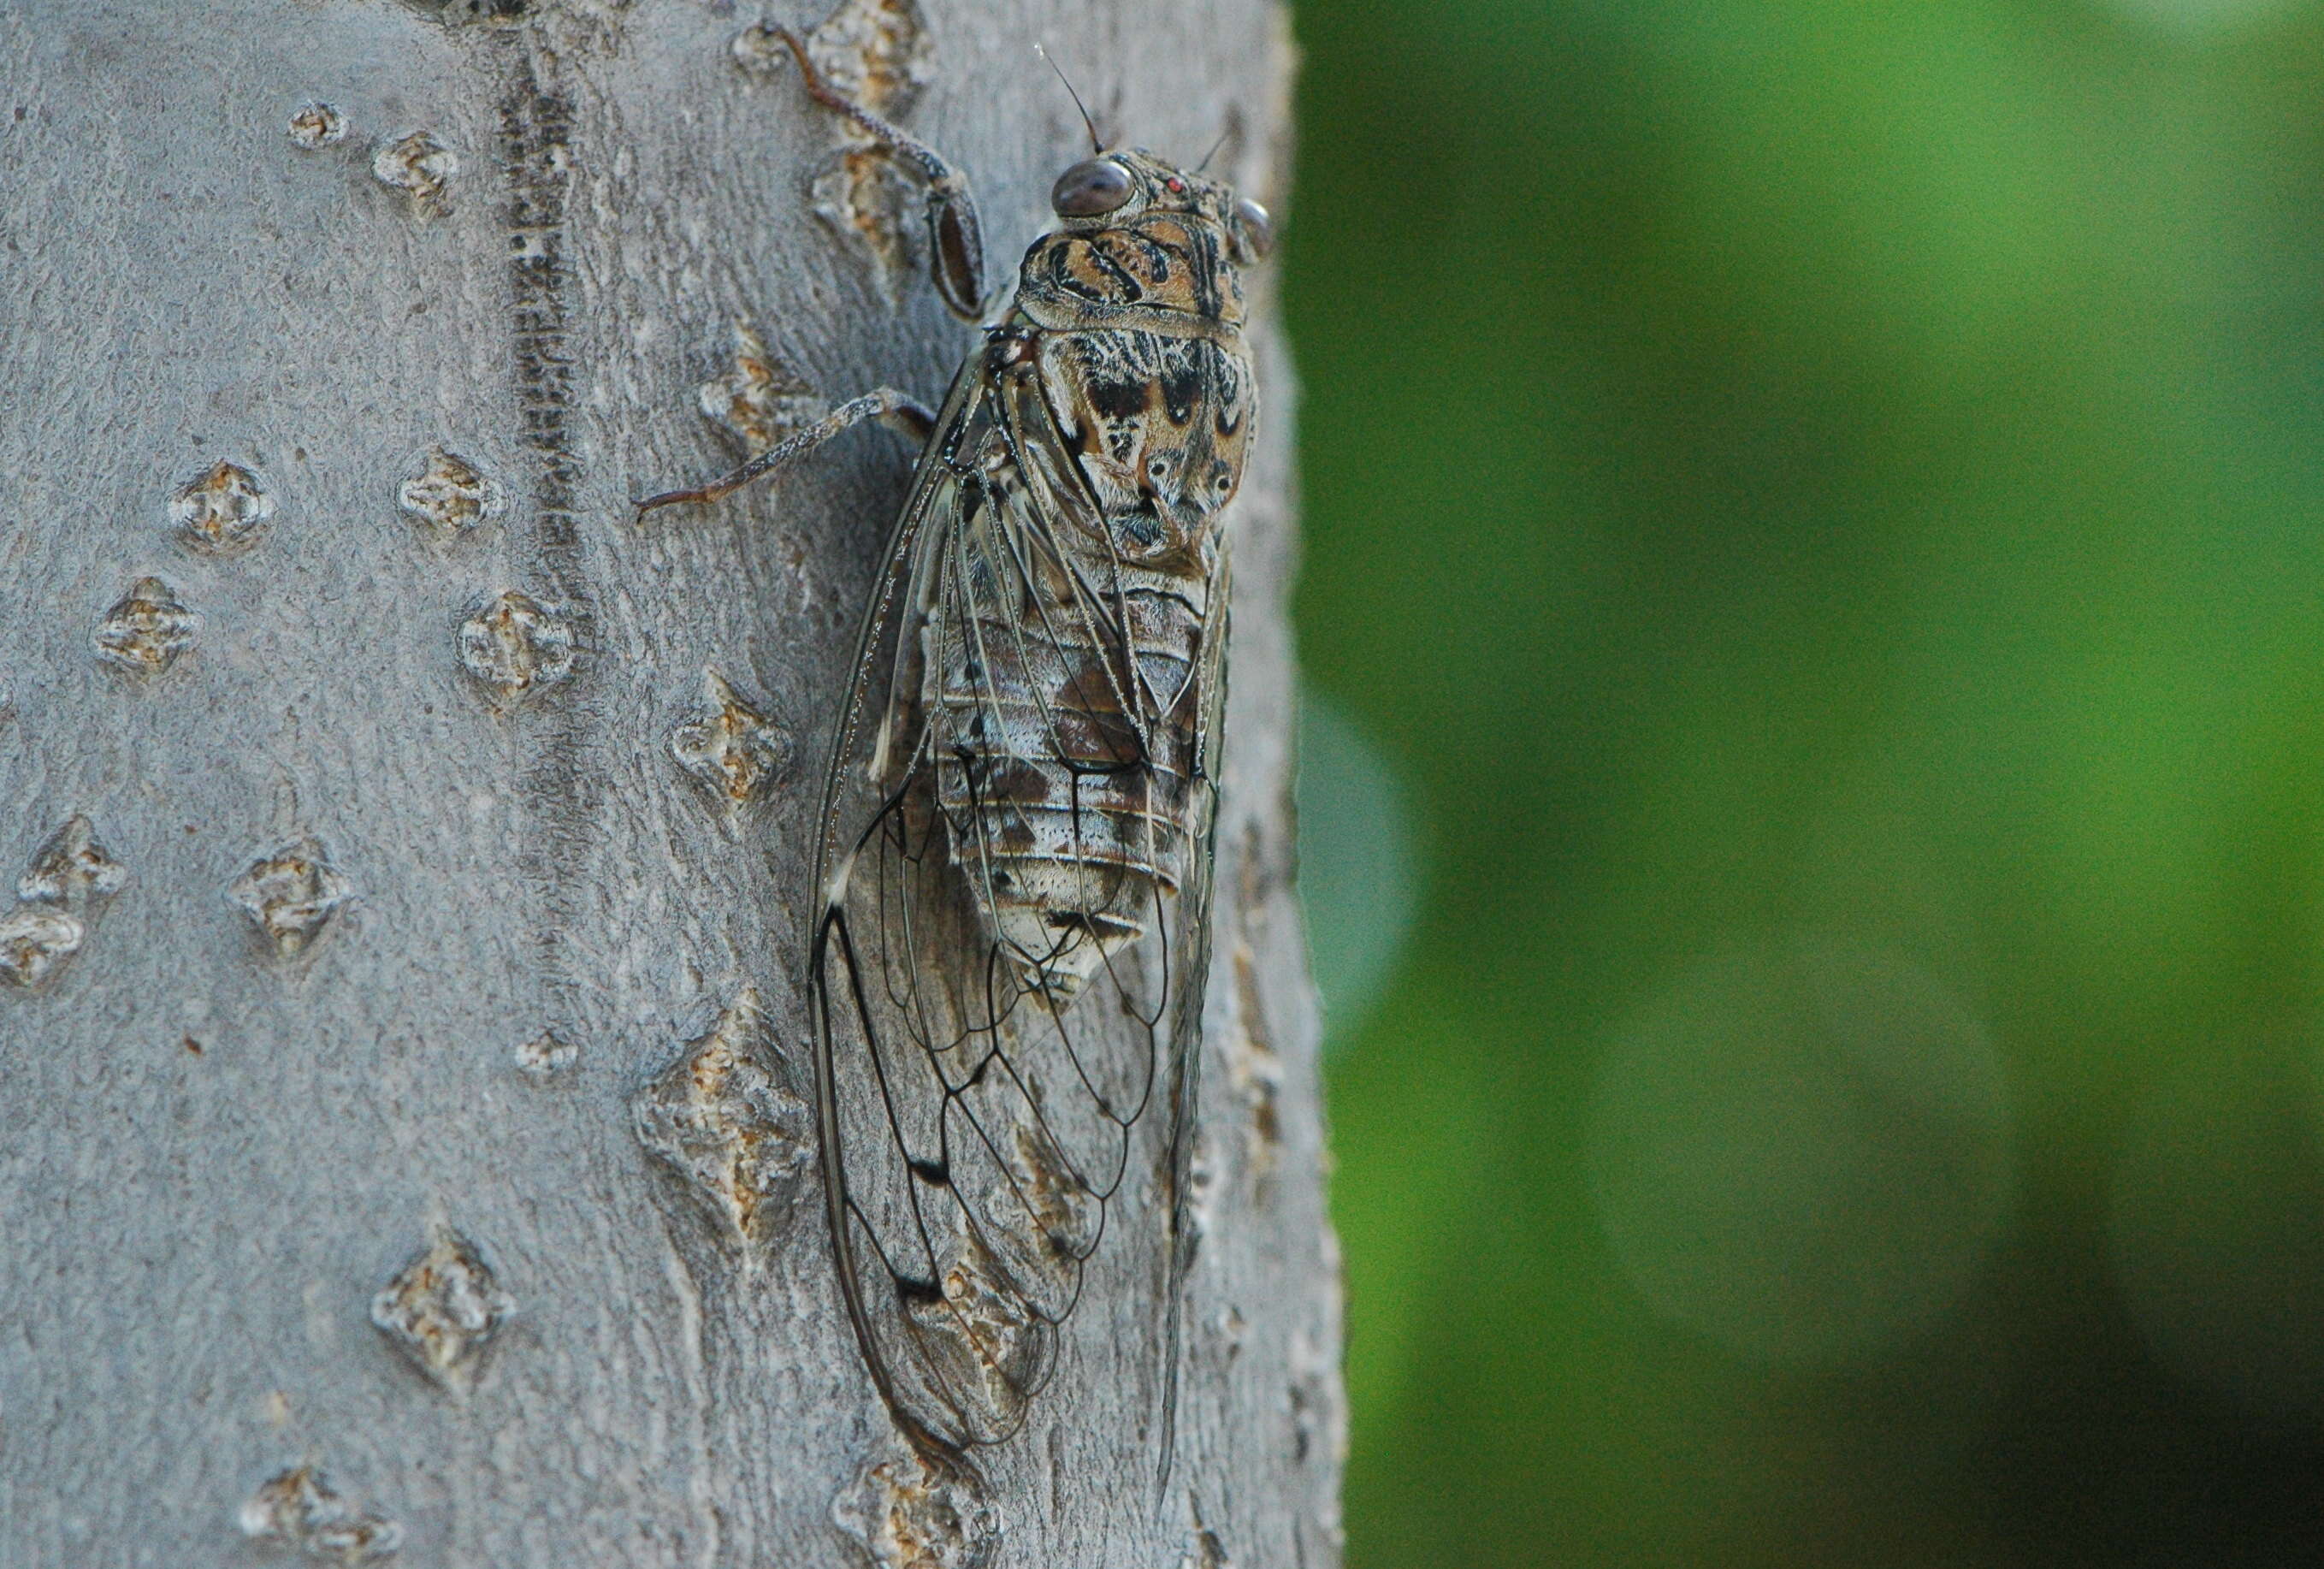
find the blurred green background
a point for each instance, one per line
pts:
(1814, 800)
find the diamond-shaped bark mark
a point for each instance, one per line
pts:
(870, 205)
(1318, 1399)
(722, 1118)
(146, 630)
(450, 495)
(478, 13)
(547, 1055)
(443, 1307)
(1230, 1332)
(1206, 1551)
(418, 165)
(729, 745)
(876, 51)
(514, 645)
(910, 1515)
(36, 942)
(317, 126)
(1254, 1066)
(1202, 1179)
(983, 1327)
(72, 868)
(756, 49)
(299, 1508)
(762, 400)
(221, 509)
(292, 895)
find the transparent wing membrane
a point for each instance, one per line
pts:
(1006, 970)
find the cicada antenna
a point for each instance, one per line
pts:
(1097, 142)
(1214, 153)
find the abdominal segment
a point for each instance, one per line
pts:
(1065, 739)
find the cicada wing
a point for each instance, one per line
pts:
(1191, 947)
(968, 1152)
(1014, 873)
(901, 1008)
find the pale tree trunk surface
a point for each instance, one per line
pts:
(401, 1029)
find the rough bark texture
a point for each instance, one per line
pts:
(401, 1042)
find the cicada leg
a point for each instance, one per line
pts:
(955, 239)
(899, 411)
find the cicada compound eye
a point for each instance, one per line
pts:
(1089, 188)
(1254, 228)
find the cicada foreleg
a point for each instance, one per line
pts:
(901, 412)
(955, 239)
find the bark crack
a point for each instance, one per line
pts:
(556, 780)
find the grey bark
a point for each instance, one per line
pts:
(400, 1042)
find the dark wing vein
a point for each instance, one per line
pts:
(976, 1118)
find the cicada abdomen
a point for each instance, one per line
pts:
(1071, 690)
(1014, 854)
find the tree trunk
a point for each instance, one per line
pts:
(401, 1040)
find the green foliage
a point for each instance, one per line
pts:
(1783, 473)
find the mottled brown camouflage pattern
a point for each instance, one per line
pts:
(1020, 810)
(1070, 693)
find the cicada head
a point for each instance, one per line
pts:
(1122, 189)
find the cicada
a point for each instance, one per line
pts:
(1013, 852)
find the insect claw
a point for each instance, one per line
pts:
(957, 250)
(955, 241)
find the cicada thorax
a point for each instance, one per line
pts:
(1158, 426)
(1161, 262)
